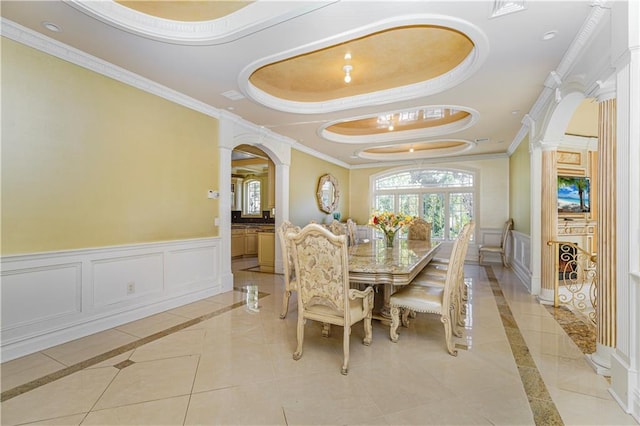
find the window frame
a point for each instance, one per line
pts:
(447, 191)
(246, 194)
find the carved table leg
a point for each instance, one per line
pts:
(385, 313)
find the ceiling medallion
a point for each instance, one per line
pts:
(397, 59)
(419, 150)
(416, 123)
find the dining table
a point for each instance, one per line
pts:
(374, 263)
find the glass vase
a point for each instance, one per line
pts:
(389, 237)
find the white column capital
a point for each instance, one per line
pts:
(606, 90)
(541, 145)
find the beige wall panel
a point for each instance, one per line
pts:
(520, 187)
(88, 161)
(360, 196)
(304, 174)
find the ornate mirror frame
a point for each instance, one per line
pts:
(326, 203)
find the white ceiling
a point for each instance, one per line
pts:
(516, 60)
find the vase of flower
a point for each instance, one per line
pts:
(389, 223)
(389, 237)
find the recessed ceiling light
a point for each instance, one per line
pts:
(515, 112)
(230, 108)
(52, 27)
(549, 35)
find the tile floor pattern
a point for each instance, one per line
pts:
(216, 362)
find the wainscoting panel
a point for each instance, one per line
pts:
(58, 291)
(54, 297)
(519, 252)
(118, 280)
(192, 266)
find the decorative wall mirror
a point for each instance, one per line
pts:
(328, 193)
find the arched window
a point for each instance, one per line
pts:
(252, 197)
(441, 196)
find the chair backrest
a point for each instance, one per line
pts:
(287, 258)
(322, 268)
(419, 229)
(456, 265)
(468, 232)
(508, 226)
(352, 231)
(337, 228)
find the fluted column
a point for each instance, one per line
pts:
(606, 236)
(549, 221)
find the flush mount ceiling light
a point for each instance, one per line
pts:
(549, 35)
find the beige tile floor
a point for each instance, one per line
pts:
(234, 366)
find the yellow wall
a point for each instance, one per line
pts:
(520, 188)
(88, 161)
(584, 121)
(304, 174)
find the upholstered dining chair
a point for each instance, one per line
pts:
(322, 271)
(419, 229)
(501, 249)
(431, 299)
(290, 283)
(435, 276)
(352, 232)
(337, 228)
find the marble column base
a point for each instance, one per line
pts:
(600, 360)
(546, 296)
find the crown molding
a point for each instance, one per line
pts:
(67, 53)
(298, 146)
(62, 51)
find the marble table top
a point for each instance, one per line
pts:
(374, 263)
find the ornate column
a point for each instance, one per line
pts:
(549, 220)
(606, 235)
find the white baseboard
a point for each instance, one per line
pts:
(51, 298)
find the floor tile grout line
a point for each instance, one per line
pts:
(524, 360)
(64, 372)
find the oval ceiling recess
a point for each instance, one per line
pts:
(419, 150)
(416, 123)
(388, 62)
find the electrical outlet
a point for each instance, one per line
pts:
(131, 287)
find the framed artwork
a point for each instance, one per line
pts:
(573, 194)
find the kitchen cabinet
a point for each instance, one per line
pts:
(237, 242)
(266, 251)
(251, 241)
